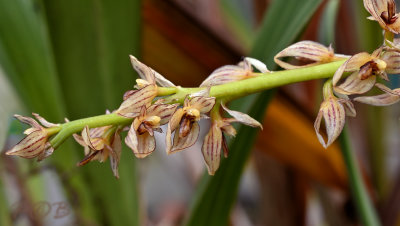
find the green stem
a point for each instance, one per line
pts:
(246, 87)
(223, 92)
(263, 82)
(69, 128)
(362, 200)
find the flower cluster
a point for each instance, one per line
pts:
(357, 75)
(155, 102)
(147, 113)
(183, 128)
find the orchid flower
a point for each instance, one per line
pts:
(184, 122)
(146, 89)
(140, 137)
(214, 141)
(334, 111)
(35, 143)
(101, 143)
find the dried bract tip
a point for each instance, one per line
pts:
(309, 52)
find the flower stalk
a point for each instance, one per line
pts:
(226, 92)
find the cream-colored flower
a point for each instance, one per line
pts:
(35, 143)
(309, 52)
(184, 122)
(101, 143)
(384, 11)
(214, 141)
(141, 133)
(334, 111)
(232, 73)
(364, 68)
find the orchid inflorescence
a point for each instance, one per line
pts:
(155, 101)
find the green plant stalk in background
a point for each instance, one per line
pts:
(363, 203)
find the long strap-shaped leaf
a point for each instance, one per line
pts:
(27, 59)
(216, 195)
(83, 44)
(92, 41)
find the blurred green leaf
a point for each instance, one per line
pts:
(216, 195)
(92, 58)
(92, 53)
(9, 104)
(240, 24)
(368, 33)
(26, 58)
(5, 217)
(326, 28)
(84, 46)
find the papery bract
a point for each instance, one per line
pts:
(312, 53)
(232, 73)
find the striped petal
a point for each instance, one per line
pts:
(130, 108)
(211, 148)
(172, 126)
(354, 85)
(334, 115)
(31, 146)
(379, 100)
(164, 111)
(242, 118)
(203, 104)
(94, 143)
(141, 145)
(115, 153)
(355, 62)
(390, 97)
(305, 50)
(225, 74)
(392, 59)
(181, 143)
